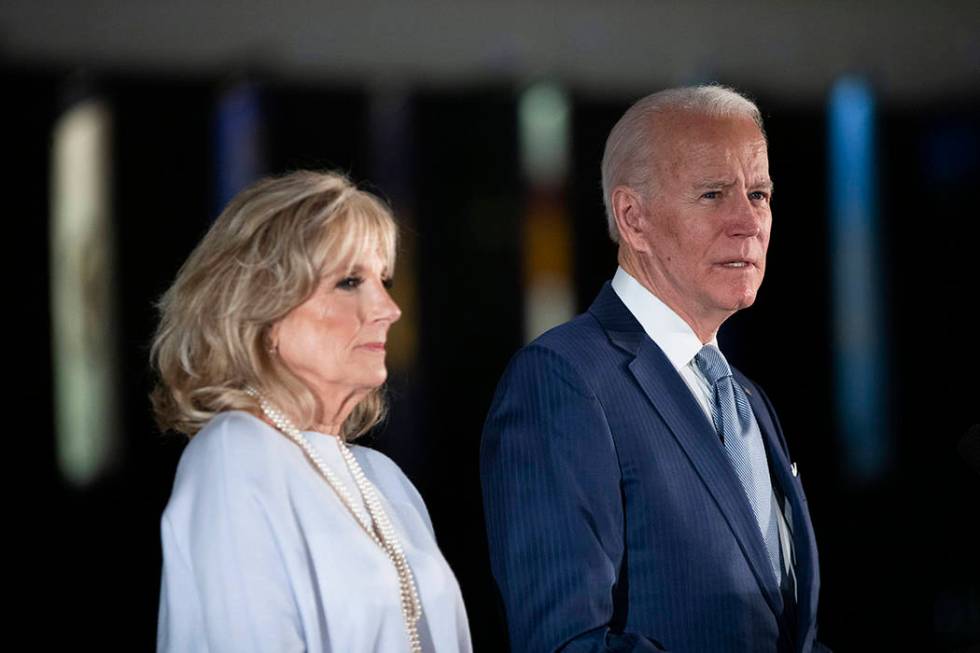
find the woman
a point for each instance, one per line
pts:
(279, 536)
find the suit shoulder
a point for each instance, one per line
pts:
(572, 339)
(570, 353)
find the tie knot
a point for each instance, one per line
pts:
(712, 364)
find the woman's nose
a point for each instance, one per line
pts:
(386, 309)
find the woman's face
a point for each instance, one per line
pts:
(335, 340)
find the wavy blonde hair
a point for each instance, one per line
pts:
(263, 257)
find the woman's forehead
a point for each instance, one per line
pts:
(368, 259)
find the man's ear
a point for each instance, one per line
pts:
(631, 217)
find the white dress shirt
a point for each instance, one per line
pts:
(669, 331)
(680, 344)
(259, 554)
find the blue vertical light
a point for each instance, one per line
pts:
(239, 152)
(860, 370)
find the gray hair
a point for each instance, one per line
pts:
(629, 155)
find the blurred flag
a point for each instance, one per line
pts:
(239, 142)
(83, 290)
(544, 116)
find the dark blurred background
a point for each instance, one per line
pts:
(127, 125)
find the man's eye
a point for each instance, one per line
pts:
(349, 283)
(758, 195)
(711, 195)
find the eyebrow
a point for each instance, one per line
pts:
(727, 183)
(709, 182)
(358, 269)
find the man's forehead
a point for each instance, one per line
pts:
(716, 158)
(692, 129)
(713, 142)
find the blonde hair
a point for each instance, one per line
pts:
(628, 159)
(263, 257)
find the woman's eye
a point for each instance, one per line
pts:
(388, 283)
(349, 283)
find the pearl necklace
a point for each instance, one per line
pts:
(375, 523)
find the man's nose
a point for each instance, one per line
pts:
(745, 218)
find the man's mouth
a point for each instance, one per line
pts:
(736, 264)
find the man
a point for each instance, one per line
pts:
(639, 494)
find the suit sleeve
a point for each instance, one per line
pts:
(225, 586)
(551, 491)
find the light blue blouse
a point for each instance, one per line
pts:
(259, 554)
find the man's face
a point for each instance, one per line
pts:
(706, 224)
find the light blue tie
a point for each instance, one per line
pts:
(732, 418)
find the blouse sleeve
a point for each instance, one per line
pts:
(225, 585)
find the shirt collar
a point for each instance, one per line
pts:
(665, 327)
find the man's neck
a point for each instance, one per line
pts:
(706, 329)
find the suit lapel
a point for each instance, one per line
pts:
(803, 538)
(672, 399)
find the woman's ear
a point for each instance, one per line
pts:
(272, 339)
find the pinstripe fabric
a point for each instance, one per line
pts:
(733, 421)
(615, 520)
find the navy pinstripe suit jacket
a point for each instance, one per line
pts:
(615, 520)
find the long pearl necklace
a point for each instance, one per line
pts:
(375, 523)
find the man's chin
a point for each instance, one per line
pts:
(737, 301)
